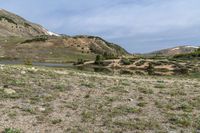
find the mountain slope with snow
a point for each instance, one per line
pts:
(175, 50)
(14, 25)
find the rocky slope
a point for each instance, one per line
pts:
(13, 25)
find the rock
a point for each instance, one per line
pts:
(9, 91)
(41, 109)
(1, 67)
(130, 99)
(23, 72)
(34, 69)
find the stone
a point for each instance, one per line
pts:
(41, 109)
(9, 91)
(23, 72)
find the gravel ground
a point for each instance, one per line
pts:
(49, 100)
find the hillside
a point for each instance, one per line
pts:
(174, 51)
(192, 55)
(13, 25)
(21, 39)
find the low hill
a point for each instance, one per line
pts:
(175, 51)
(192, 55)
(20, 39)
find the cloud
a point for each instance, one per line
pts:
(138, 25)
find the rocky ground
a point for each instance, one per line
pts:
(49, 100)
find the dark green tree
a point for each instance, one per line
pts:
(98, 60)
(150, 69)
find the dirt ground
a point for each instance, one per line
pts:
(49, 100)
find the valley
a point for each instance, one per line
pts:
(55, 83)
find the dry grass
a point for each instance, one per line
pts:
(57, 100)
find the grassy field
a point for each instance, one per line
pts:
(49, 100)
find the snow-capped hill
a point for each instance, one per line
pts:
(176, 50)
(14, 25)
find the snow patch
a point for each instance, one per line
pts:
(176, 48)
(50, 33)
(192, 47)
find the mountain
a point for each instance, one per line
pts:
(175, 51)
(13, 25)
(21, 39)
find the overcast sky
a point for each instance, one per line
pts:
(137, 25)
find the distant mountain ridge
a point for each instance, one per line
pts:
(175, 50)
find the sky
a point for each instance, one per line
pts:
(137, 25)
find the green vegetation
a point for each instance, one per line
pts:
(181, 71)
(36, 39)
(56, 121)
(11, 130)
(125, 61)
(79, 62)
(7, 19)
(150, 69)
(99, 60)
(28, 62)
(182, 120)
(107, 56)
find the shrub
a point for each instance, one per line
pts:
(8, 19)
(28, 62)
(125, 61)
(79, 62)
(107, 55)
(150, 69)
(36, 39)
(11, 130)
(56, 121)
(98, 60)
(181, 70)
(140, 63)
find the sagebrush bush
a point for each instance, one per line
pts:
(125, 61)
